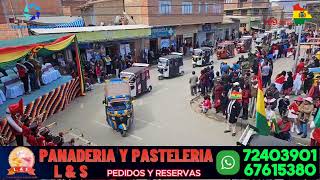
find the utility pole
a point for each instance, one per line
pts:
(20, 34)
(298, 48)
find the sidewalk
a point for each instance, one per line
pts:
(211, 114)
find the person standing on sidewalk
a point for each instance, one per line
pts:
(245, 101)
(233, 112)
(193, 83)
(293, 114)
(253, 92)
(265, 74)
(305, 109)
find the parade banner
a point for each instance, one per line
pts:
(159, 162)
(8, 54)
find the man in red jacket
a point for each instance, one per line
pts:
(300, 66)
(14, 115)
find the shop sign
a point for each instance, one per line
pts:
(162, 32)
(165, 43)
(206, 28)
(113, 35)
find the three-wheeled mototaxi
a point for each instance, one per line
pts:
(225, 50)
(138, 77)
(170, 66)
(244, 45)
(118, 105)
(201, 57)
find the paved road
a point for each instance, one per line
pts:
(163, 117)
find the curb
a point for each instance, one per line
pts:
(243, 123)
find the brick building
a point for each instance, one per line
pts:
(314, 10)
(102, 12)
(70, 7)
(14, 8)
(177, 22)
(251, 13)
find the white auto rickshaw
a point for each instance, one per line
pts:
(201, 57)
(138, 77)
(170, 66)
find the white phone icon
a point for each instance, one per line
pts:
(227, 162)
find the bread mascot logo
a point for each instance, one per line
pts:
(21, 160)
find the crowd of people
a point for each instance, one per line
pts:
(102, 67)
(295, 95)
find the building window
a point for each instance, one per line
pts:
(243, 1)
(229, 13)
(228, 1)
(165, 6)
(265, 12)
(186, 7)
(217, 9)
(206, 8)
(255, 11)
(243, 25)
(199, 7)
(244, 12)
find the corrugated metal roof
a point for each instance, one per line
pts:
(28, 40)
(89, 29)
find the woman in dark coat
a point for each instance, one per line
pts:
(233, 112)
(288, 84)
(202, 83)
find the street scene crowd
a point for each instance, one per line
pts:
(291, 98)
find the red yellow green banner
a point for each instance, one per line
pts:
(11, 54)
(8, 54)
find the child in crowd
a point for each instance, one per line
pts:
(206, 104)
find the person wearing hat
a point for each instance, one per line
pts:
(284, 126)
(305, 111)
(293, 114)
(233, 112)
(235, 88)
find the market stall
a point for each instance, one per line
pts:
(55, 90)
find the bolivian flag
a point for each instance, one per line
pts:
(261, 122)
(300, 15)
(236, 95)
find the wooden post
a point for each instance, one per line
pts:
(76, 48)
